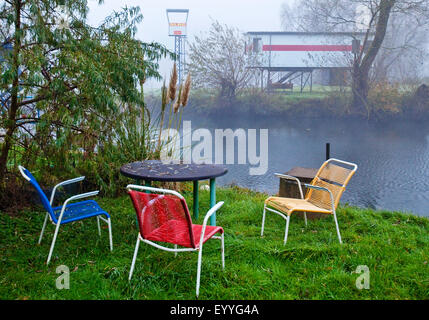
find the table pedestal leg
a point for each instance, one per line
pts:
(196, 200)
(213, 200)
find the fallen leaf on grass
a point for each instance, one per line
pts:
(23, 298)
(267, 270)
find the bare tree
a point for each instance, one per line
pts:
(394, 34)
(404, 50)
(218, 60)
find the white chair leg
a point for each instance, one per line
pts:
(263, 220)
(287, 229)
(338, 229)
(110, 234)
(305, 218)
(98, 225)
(222, 240)
(53, 243)
(134, 257)
(200, 258)
(43, 228)
(175, 248)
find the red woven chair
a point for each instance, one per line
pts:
(163, 216)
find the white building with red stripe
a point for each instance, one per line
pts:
(296, 55)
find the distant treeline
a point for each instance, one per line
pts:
(385, 102)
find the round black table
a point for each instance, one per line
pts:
(155, 170)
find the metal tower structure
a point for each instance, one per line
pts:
(177, 28)
(179, 50)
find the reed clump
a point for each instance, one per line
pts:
(174, 97)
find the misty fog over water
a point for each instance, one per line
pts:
(393, 157)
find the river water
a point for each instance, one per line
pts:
(393, 157)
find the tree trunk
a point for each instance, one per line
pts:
(362, 65)
(11, 125)
(360, 88)
(228, 91)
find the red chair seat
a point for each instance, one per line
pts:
(177, 232)
(210, 232)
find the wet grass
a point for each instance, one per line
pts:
(313, 265)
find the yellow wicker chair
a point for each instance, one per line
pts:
(323, 195)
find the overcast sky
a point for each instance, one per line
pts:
(246, 15)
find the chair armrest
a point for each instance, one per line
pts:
(206, 218)
(285, 176)
(323, 189)
(64, 183)
(77, 197)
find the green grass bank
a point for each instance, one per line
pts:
(313, 265)
(385, 102)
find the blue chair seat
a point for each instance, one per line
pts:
(78, 211)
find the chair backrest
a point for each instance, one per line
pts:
(45, 202)
(163, 217)
(333, 175)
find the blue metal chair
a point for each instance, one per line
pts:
(68, 212)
